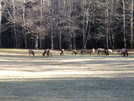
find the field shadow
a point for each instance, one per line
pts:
(56, 63)
(68, 89)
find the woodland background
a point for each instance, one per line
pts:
(66, 24)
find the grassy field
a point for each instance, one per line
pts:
(65, 78)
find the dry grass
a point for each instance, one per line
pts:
(65, 78)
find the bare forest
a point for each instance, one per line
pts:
(68, 24)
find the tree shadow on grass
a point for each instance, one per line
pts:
(40, 64)
(68, 89)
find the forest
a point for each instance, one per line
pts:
(68, 24)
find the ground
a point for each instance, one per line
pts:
(65, 78)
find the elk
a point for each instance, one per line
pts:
(103, 51)
(92, 51)
(83, 51)
(123, 52)
(48, 52)
(45, 51)
(110, 51)
(62, 52)
(31, 52)
(74, 52)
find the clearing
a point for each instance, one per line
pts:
(65, 78)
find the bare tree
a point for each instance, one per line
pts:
(124, 23)
(52, 23)
(111, 21)
(41, 22)
(132, 10)
(87, 20)
(59, 19)
(38, 21)
(24, 23)
(107, 25)
(14, 24)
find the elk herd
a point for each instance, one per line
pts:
(99, 51)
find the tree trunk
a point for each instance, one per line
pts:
(124, 24)
(84, 16)
(74, 41)
(111, 31)
(0, 22)
(87, 35)
(60, 46)
(24, 22)
(52, 24)
(132, 36)
(51, 35)
(74, 25)
(37, 41)
(107, 28)
(41, 16)
(14, 26)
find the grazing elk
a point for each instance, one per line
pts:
(110, 51)
(45, 52)
(62, 52)
(74, 52)
(103, 51)
(83, 51)
(48, 52)
(31, 52)
(123, 52)
(92, 51)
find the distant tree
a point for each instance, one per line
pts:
(24, 23)
(124, 23)
(67, 23)
(88, 12)
(132, 15)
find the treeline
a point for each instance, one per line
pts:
(68, 24)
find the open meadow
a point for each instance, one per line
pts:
(65, 78)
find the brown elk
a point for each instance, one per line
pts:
(31, 52)
(123, 52)
(48, 52)
(92, 51)
(103, 51)
(45, 52)
(83, 51)
(62, 52)
(74, 52)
